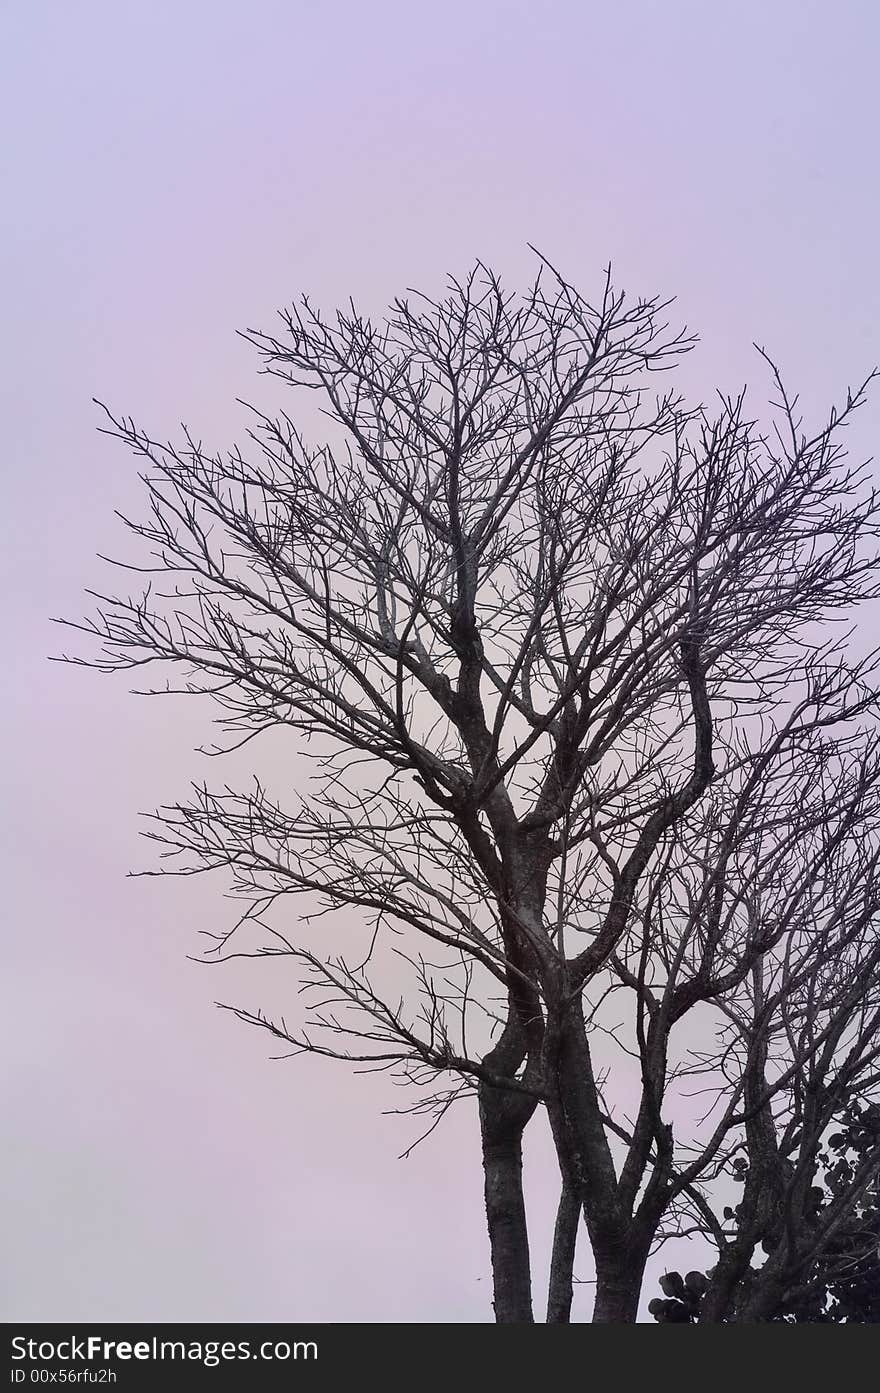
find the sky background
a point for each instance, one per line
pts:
(173, 172)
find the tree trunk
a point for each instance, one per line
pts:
(618, 1287)
(562, 1262)
(504, 1115)
(765, 1299)
(716, 1305)
(586, 1161)
(506, 1217)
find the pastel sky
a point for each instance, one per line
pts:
(173, 172)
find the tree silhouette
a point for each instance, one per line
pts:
(593, 764)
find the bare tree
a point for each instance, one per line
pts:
(587, 760)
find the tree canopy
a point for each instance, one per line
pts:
(594, 761)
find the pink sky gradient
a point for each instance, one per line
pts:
(174, 172)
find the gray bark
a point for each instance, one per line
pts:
(561, 1288)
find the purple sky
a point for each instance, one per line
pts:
(173, 172)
